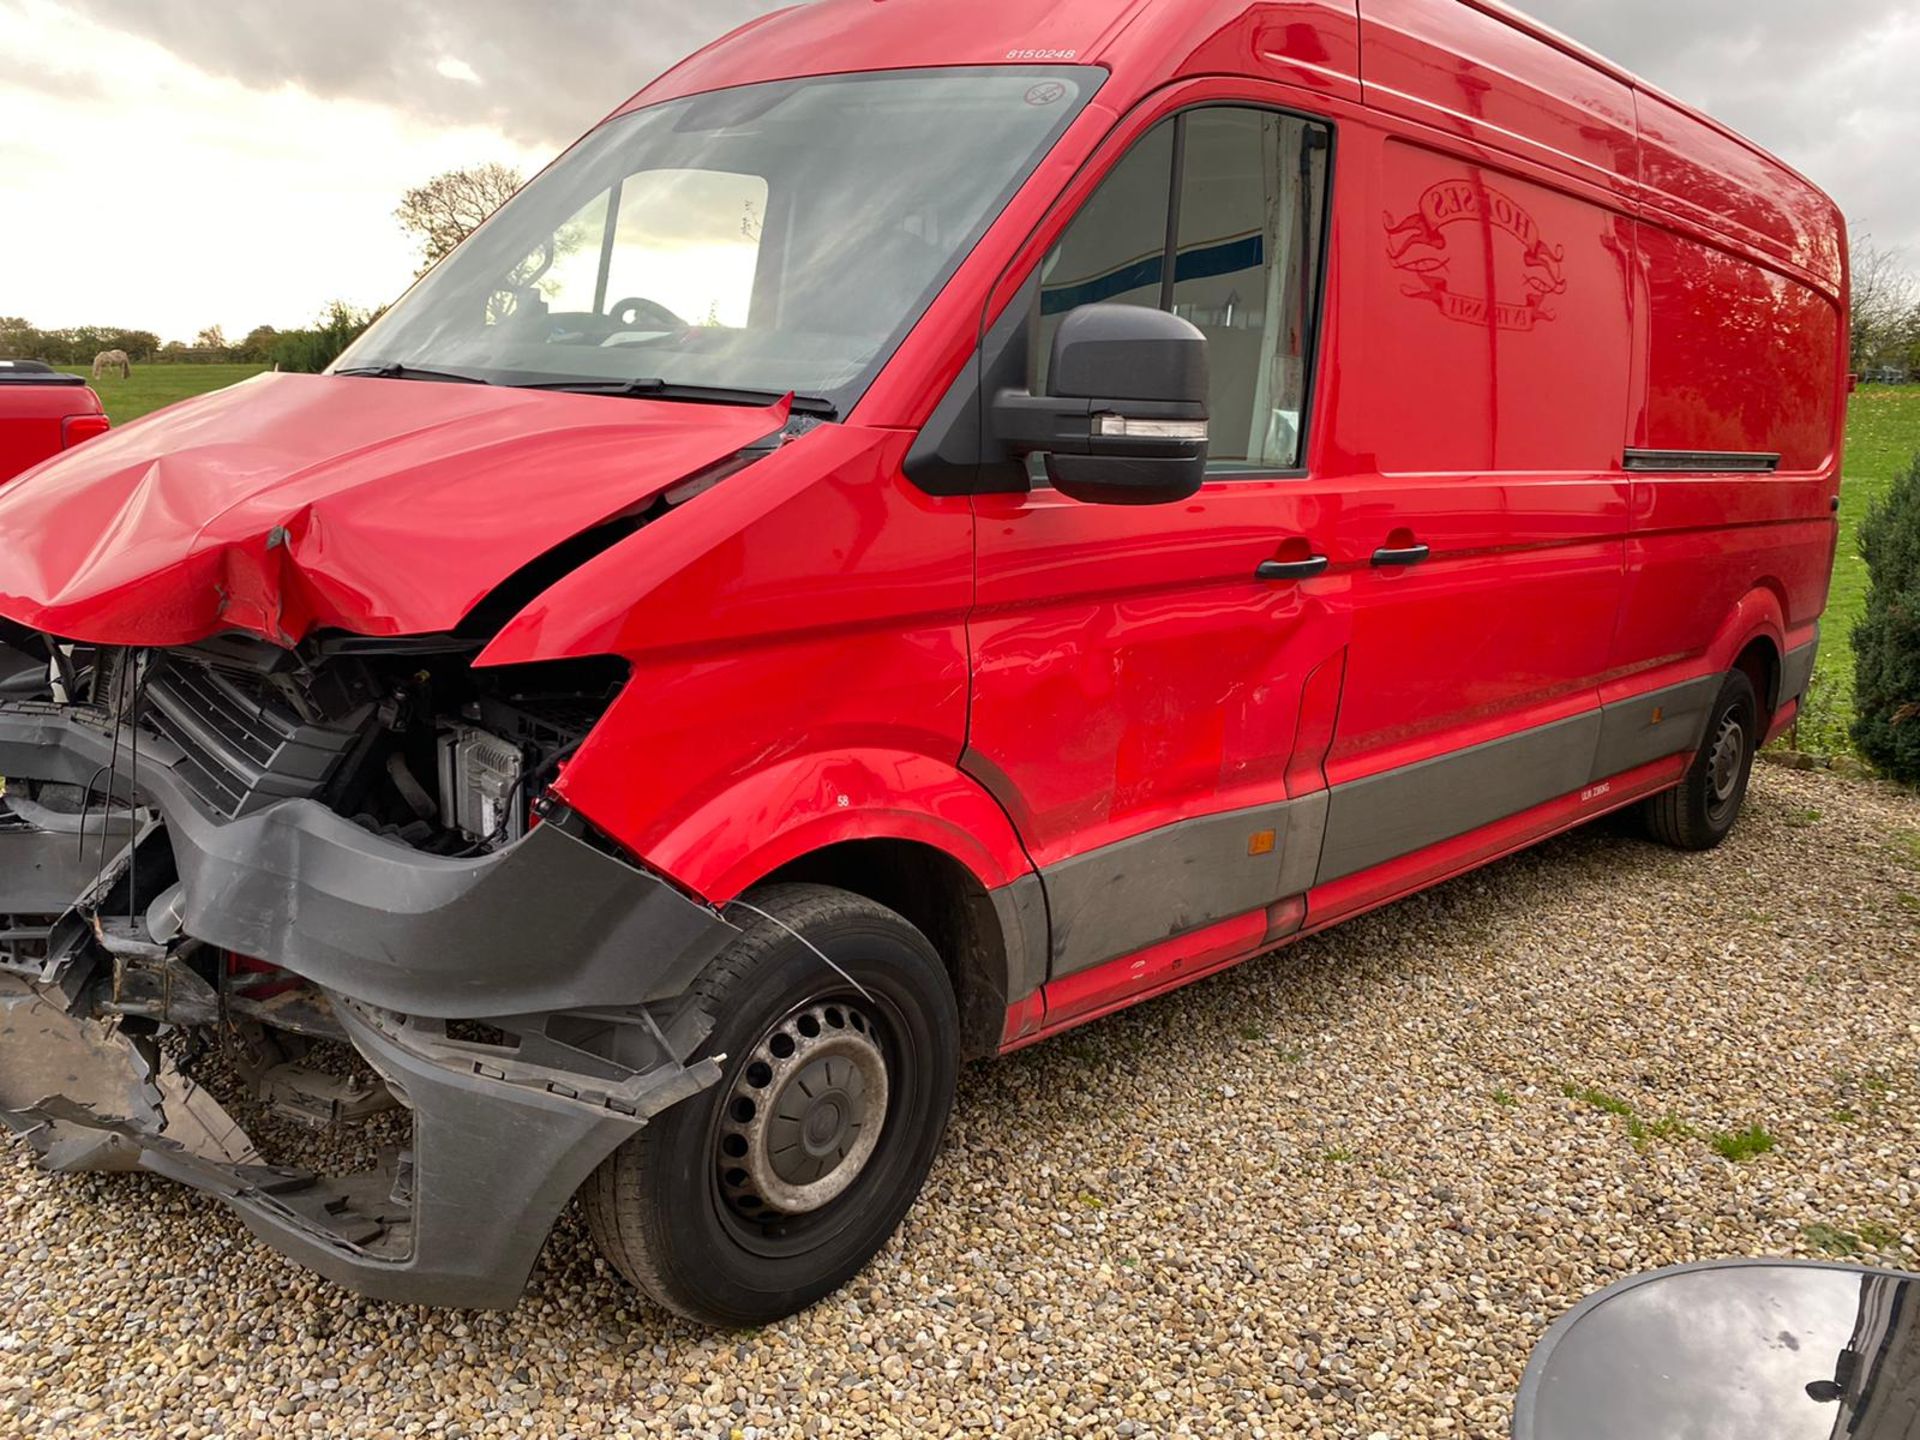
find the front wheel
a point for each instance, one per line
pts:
(773, 1188)
(1698, 813)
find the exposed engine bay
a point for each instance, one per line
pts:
(402, 737)
(243, 887)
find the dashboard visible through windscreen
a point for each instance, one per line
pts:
(775, 237)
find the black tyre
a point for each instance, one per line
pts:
(774, 1187)
(1698, 813)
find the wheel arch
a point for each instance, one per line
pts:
(1761, 662)
(901, 828)
(989, 942)
(1753, 640)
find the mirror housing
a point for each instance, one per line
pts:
(1124, 419)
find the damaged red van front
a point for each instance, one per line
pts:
(312, 691)
(245, 724)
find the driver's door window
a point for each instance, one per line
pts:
(662, 247)
(1215, 214)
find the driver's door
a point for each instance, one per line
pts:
(1149, 709)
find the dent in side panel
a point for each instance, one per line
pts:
(1126, 897)
(1652, 727)
(1708, 178)
(1311, 43)
(1473, 74)
(875, 658)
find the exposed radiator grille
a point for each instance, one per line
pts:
(238, 752)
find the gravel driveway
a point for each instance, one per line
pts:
(1336, 1192)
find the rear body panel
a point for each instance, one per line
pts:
(40, 416)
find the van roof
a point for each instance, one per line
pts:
(1790, 222)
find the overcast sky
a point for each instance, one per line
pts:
(172, 164)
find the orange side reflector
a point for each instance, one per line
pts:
(1260, 842)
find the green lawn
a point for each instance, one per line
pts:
(1883, 436)
(153, 386)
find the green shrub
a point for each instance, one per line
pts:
(311, 351)
(1886, 645)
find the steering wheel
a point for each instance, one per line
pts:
(638, 314)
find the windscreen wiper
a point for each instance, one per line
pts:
(411, 372)
(648, 388)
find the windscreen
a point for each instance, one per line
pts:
(776, 237)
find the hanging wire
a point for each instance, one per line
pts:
(115, 700)
(133, 783)
(742, 904)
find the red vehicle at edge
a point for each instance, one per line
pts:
(930, 525)
(43, 411)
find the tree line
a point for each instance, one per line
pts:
(439, 215)
(309, 349)
(1886, 312)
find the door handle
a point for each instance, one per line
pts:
(1401, 555)
(1291, 569)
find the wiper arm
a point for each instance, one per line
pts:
(411, 372)
(650, 388)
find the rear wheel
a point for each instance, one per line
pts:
(766, 1192)
(1699, 812)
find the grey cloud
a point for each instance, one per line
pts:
(547, 68)
(1830, 86)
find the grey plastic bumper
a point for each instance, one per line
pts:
(499, 1146)
(549, 923)
(1796, 670)
(502, 1135)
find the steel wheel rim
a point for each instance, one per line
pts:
(1726, 761)
(804, 1116)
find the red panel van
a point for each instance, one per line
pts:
(42, 412)
(931, 524)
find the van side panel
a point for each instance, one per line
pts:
(1494, 415)
(1701, 177)
(1484, 424)
(1740, 362)
(1477, 76)
(1738, 357)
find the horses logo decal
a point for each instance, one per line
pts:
(1417, 246)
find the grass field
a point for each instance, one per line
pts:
(1883, 436)
(153, 386)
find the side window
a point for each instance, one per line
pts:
(1250, 191)
(1115, 249)
(1237, 198)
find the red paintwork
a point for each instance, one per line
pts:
(1536, 262)
(808, 619)
(295, 501)
(35, 423)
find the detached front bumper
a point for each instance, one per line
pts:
(573, 958)
(458, 1220)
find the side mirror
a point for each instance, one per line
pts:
(1124, 419)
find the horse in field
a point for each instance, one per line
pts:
(108, 360)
